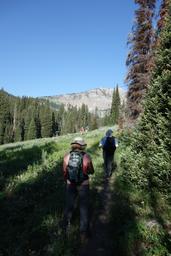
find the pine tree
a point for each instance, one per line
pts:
(8, 133)
(94, 120)
(32, 130)
(5, 119)
(19, 123)
(27, 120)
(22, 129)
(163, 14)
(146, 166)
(60, 119)
(150, 149)
(139, 57)
(115, 107)
(38, 126)
(84, 117)
(46, 122)
(54, 125)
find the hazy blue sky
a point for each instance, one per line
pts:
(50, 47)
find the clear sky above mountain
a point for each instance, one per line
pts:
(50, 47)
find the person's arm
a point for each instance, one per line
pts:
(102, 142)
(65, 164)
(116, 142)
(88, 167)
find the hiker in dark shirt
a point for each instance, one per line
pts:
(77, 166)
(108, 144)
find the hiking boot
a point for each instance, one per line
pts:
(110, 174)
(106, 175)
(64, 227)
(83, 238)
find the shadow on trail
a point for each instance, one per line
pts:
(123, 230)
(113, 225)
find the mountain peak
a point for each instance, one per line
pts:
(100, 98)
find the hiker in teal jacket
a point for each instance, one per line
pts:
(108, 144)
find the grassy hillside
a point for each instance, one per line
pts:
(32, 202)
(32, 195)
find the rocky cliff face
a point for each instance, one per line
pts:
(100, 98)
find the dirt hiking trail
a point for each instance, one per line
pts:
(99, 243)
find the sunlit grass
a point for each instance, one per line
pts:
(33, 196)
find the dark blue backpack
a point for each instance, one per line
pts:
(109, 145)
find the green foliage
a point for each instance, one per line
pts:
(115, 107)
(151, 142)
(27, 118)
(32, 199)
(31, 130)
(5, 119)
(46, 122)
(146, 161)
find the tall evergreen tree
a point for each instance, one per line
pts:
(163, 14)
(139, 57)
(32, 130)
(60, 119)
(5, 118)
(93, 122)
(147, 162)
(115, 107)
(27, 119)
(8, 133)
(19, 131)
(22, 130)
(46, 122)
(54, 125)
(84, 117)
(150, 149)
(38, 126)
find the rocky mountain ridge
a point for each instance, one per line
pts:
(98, 98)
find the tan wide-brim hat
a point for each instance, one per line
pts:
(79, 141)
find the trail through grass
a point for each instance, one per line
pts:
(32, 202)
(32, 197)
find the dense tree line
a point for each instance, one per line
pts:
(25, 118)
(73, 119)
(150, 148)
(28, 118)
(147, 162)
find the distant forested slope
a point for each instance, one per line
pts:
(29, 118)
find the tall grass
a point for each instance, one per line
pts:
(32, 201)
(32, 196)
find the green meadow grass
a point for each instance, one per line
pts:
(32, 197)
